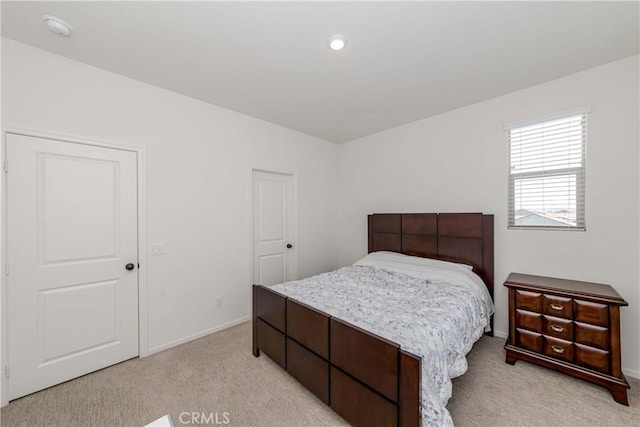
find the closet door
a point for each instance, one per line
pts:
(73, 259)
(273, 228)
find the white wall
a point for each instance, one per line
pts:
(457, 161)
(199, 160)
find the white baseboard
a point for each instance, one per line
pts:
(500, 334)
(198, 335)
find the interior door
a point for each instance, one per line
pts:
(273, 228)
(72, 258)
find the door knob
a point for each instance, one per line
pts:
(130, 266)
(289, 245)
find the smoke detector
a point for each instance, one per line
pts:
(57, 25)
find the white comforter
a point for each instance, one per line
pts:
(437, 319)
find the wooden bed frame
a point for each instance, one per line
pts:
(368, 380)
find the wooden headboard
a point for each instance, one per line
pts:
(459, 237)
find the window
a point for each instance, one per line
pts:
(547, 172)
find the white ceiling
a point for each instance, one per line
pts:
(404, 60)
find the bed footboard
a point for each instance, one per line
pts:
(365, 378)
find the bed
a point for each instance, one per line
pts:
(380, 344)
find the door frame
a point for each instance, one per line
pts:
(143, 324)
(294, 226)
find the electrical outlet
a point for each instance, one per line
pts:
(219, 302)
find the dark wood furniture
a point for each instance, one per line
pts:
(367, 379)
(568, 326)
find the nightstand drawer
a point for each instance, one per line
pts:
(529, 320)
(591, 312)
(558, 348)
(557, 306)
(592, 358)
(531, 301)
(558, 327)
(529, 340)
(594, 336)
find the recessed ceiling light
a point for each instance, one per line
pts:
(337, 42)
(57, 25)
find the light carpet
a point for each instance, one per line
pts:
(218, 374)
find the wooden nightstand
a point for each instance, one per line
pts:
(568, 326)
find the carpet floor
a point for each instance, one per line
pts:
(217, 376)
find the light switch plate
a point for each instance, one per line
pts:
(157, 249)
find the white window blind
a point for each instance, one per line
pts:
(547, 173)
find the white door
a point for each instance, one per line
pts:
(273, 229)
(72, 230)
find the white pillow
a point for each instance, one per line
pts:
(394, 258)
(430, 269)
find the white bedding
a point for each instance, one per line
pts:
(430, 269)
(433, 310)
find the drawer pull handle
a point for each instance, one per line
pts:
(557, 349)
(557, 307)
(555, 328)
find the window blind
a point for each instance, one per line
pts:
(547, 173)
